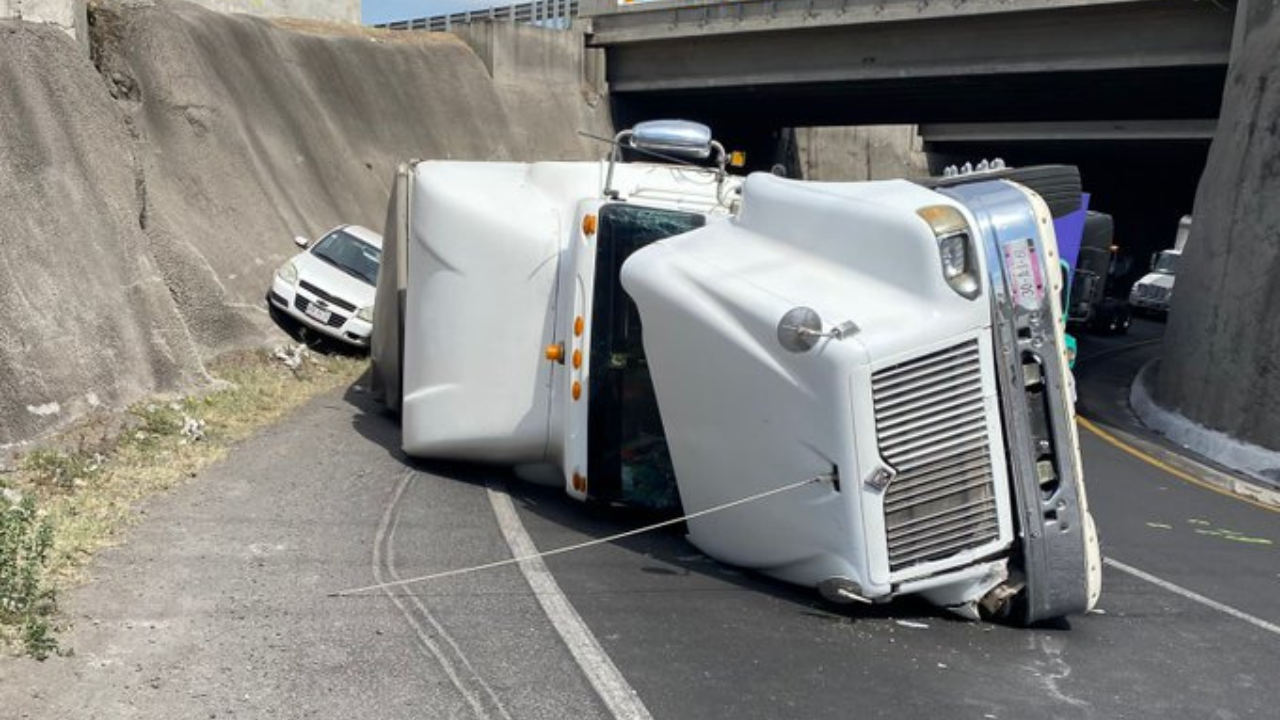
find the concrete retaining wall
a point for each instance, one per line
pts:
(873, 152)
(155, 198)
(337, 10)
(1221, 364)
(67, 15)
(86, 318)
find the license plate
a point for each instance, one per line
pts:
(1026, 279)
(318, 313)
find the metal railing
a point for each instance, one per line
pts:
(553, 14)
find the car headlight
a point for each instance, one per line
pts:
(365, 314)
(288, 272)
(955, 248)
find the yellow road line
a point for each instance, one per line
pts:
(1162, 465)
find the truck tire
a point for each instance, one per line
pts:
(1058, 185)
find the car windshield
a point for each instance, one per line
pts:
(1166, 264)
(349, 254)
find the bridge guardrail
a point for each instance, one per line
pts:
(553, 14)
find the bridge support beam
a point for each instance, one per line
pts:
(956, 62)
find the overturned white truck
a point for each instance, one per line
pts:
(656, 333)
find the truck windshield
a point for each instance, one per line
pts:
(355, 257)
(1166, 263)
(627, 455)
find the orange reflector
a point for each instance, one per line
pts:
(577, 358)
(555, 353)
(578, 325)
(943, 219)
(579, 482)
(737, 159)
(588, 225)
(577, 389)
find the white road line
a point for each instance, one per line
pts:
(1194, 596)
(604, 676)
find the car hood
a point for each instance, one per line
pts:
(1157, 279)
(332, 280)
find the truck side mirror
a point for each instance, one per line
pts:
(303, 243)
(674, 137)
(1154, 258)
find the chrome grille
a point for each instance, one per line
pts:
(1153, 292)
(330, 298)
(931, 425)
(336, 319)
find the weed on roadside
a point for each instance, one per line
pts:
(62, 469)
(27, 601)
(75, 495)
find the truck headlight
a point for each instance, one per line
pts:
(955, 248)
(365, 313)
(288, 272)
(954, 251)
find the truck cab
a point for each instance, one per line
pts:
(1152, 294)
(670, 336)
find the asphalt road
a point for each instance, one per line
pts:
(219, 604)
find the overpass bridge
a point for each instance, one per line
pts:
(794, 63)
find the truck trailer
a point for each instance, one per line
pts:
(668, 335)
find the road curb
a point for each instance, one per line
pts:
(1185, 468)
(1261, 465)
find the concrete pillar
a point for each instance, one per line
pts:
(1221, 360)
(871, 152)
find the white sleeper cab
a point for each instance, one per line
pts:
(670, 336)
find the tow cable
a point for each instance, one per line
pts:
(825, 477)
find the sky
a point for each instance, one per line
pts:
(378, 11)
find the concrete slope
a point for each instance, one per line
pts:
(85, 315)
(252, 134)
(227, 136)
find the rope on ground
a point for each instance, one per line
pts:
(826, 477)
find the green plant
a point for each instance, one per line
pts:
(61, 469)
(26, 600)
(157, 420)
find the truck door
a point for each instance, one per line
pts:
(617, 449)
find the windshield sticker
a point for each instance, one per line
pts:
(1026, 280)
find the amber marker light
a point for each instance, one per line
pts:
(588, 225)
(579, 325)
(577, 389)
(737, 159)
(577, 359)
(579, 482)
(555, 353)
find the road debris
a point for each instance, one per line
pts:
(1234, 536)
(192, 429)
(291, 355)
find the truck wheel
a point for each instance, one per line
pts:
(1059, 185)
